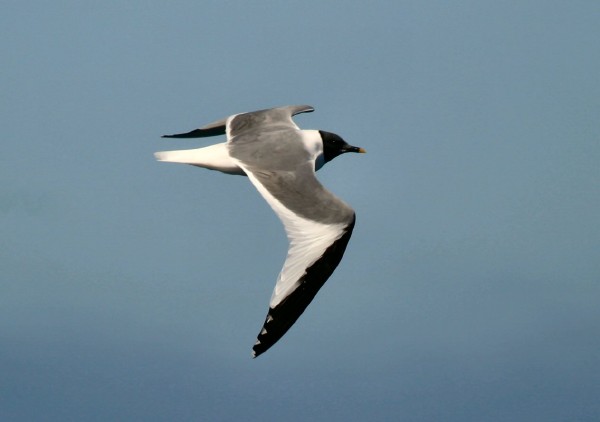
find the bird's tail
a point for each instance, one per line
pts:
(214, 157)
(188, 156)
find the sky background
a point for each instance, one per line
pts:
(134, 290)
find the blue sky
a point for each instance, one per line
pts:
(134, 290)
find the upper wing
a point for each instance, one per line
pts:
(212, 129)
(314, 252)
(318, 226)
(273, 118)
(238, 123)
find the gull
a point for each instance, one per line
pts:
(280, 160)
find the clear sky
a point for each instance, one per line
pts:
(134, 290)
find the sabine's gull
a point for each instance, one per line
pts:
(280, 160)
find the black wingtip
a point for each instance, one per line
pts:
(179, 135)
(199, 133)
(283, 316)
(256, 351)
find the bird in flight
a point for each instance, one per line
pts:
(280, 160)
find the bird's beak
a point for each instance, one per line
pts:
(350, 148)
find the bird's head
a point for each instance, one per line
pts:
(334, 145)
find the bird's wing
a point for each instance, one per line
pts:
(318, 227)
(238, 123)
(213, 129)
(273, 118)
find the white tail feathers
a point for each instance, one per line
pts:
(183, 156)
(214, 157)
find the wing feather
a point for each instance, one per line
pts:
(281, 318)
(315, 250)
(277, 118)
(308, 241)
(239, 123)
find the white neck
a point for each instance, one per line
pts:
(314, 145)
